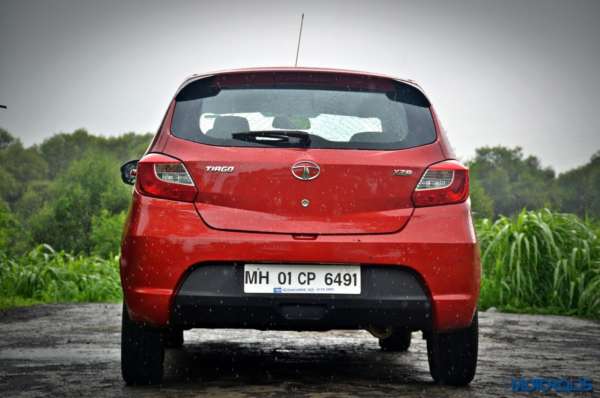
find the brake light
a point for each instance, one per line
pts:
(443, 183)
(165, 177)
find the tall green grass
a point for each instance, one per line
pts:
(44, 275)
(540, 261)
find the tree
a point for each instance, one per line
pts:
(62, 149)
(512, 180)
(579, 189)
(106, 233)
(67, 190)
(5, 138)
(13, 238)
(80, 193)
(10, 189)
(127, 146)
(482, 206)
(33, 199)
(23, 165)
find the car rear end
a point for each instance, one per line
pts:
(304, 200)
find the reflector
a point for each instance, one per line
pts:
(174, 173)
(436, 179)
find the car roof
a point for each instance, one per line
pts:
(295, 69)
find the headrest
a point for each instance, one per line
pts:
(224, 126)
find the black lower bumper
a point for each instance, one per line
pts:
(212, 296)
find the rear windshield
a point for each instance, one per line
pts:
(293, 110)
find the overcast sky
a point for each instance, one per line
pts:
(499, 72)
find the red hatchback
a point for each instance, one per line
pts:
(300, 199)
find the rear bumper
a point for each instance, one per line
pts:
(212, 296)
(165, 240)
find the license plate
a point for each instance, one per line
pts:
(301, 279)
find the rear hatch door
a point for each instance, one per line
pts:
(370, 139)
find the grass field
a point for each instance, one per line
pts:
(46, 276)
(537, 262)
(541, 262)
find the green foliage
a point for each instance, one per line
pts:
(35, 196)
(18, 167)
(106, 233)
(56, 189)
(541, 260)
(10, 189)
(13, 237)
(24, 164)
(43, 275)
(482, 206)
(87, 187)
(513, 181)
(61, 150)
(579, 189)
(5, 138)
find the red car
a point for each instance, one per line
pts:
(300, 199)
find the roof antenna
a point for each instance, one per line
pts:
(299, 38)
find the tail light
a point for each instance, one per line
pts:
(443, 183)
(165, 177)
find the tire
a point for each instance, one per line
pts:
(173, 338)
(398, 341)
(142, 353)
(453, 356)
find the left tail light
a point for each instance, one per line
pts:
(165, 177)
(441, 184)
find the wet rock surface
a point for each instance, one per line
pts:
(74, 350)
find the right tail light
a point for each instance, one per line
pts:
(442, 183)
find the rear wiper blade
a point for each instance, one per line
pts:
(273, 136)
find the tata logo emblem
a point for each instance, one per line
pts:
(305, 170)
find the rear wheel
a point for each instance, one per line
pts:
(398, 341)
(173, 338)
(142, 352)
(453, 356)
